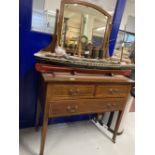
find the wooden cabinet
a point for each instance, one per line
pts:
(67, 95)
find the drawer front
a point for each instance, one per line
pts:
(68, 107)
(112, 91)
(70, 91)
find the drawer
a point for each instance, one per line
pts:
(70, 91)
(112, 91)
(72, 107)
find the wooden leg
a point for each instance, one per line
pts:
(120, 114)
(37, 116)
(44, 130)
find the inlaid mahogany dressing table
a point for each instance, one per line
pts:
(64, 94)
(76, 71)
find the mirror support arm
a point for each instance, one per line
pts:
(51, 47)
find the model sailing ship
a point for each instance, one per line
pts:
(80, 41)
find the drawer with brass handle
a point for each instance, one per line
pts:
(84, 106)
(112, 91)
(70, 91)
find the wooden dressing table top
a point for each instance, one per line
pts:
(78, 77)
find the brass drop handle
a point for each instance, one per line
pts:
(74, 92)
(76, 107)
(72, 109)
(109, 105)
(116, 90)
(77, 92)
(111, 91)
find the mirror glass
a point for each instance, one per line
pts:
(83, 31)
(44, 11)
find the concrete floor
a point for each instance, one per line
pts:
(80, 138)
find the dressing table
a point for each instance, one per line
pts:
(67, 95)
(76, 74)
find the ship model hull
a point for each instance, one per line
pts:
(46, 63)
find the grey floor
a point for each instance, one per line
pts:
(80, 138)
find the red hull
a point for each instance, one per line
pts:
(50, 68)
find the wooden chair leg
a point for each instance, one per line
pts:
(37, 116)
(120, 114)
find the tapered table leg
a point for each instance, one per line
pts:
(43, 136)
(37, 116)
(44, 129)
(120, 114)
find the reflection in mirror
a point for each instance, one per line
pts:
(83, 31)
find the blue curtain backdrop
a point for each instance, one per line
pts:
(31, 42)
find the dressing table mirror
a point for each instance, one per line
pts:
(84, 29)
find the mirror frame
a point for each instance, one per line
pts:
(107, 32)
